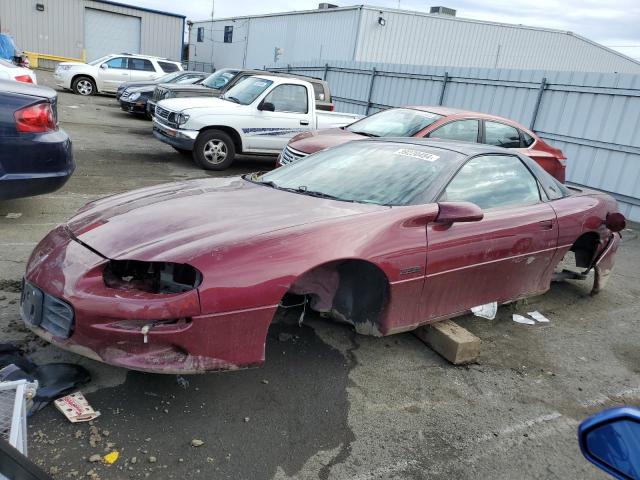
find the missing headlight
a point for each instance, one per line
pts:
(152, 277)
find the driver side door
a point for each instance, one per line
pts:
(117, 71)
(506, 255)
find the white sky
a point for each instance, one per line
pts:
(614, 23)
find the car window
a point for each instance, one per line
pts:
(119, 63)
(460, 130)
(527, 139)
(220, 78)
(501, 135)
(4, 63)
(141, 64)
(189, 79)
(168, 67)
(318, 92)
(492, 181)
(289, 98)
(247, 90)
(394, 122)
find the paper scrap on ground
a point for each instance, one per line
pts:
(110, 458)
(538, 317)
(487, 310)
(13, 216)
(76, 408)
(520, 319)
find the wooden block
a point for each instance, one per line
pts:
(450, 340)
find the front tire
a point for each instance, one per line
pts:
(84, 86)
(214, 150)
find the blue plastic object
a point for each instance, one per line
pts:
(7, 47)
(611, 441)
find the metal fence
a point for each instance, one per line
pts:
(198, 66)
(593, 117)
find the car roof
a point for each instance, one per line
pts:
(24, 88)
(468, 149)
(459, 112)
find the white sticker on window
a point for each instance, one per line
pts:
(407, 152)
(260, 84)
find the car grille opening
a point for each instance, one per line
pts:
(151, 277)
(47, 312)
(289, 155)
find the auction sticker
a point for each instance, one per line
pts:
(408, 152)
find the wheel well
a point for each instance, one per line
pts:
(585, 248)
(75, 77)
(232, 132)
(353, 291)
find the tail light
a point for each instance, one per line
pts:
(331, 107)
(615, 221)
(24, 78)
(36, 118)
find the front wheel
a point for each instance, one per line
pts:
(214, 150)
(84, 86)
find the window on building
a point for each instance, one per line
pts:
(492, 181)
(289, 98)
(168, 67)
(461, 130)
(200, 34)
(501, 135)
(141, 64)
(228, 34)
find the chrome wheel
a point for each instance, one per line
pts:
(84, 87)
(215, 151)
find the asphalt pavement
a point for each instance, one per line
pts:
(328, 403)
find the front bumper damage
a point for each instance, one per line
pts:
(182, 139)
(134, 329)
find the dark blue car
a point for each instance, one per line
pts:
(35, 155)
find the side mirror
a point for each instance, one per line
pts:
(611, 441)
(267, 107)
(452, 212)
(104, 66)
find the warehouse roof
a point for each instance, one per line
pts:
(135, 7)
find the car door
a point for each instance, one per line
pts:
(271, 130)
(142, 69)
(506, 255)
(466, 130)
(116, 72)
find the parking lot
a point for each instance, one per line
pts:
(328, 403)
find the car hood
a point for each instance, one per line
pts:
(183, 87)
(141, 88)
(141, 83)
(181, 221)
(183, 103)
(316, 140)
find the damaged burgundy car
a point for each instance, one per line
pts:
(187, 277)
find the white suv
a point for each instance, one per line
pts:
(106, 73)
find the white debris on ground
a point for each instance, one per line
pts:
(538, 317)
(521, 319)
(487, 310)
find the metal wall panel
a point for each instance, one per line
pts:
(593, 117)
(421, 39)
(315, 35)
(59, 30)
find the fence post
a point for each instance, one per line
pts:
(445, 79)
(326, 70)
(289, 67)
(543, 85)
(373, 77)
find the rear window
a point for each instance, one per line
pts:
(318, 91)
(168, 67)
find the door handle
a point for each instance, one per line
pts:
(304, 122)
(546, 224)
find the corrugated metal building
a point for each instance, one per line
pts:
(71, 28)
(373, 34)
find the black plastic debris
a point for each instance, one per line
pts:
(55, 380)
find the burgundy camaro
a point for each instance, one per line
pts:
(187, 277)
(433, 122)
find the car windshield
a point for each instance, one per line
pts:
(247, 90)
(366, 172)
(395, 122)
(219, 79)
(100, 60)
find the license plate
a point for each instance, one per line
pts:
(31, 304)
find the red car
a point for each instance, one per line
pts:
(187, 277)
(433, 122)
